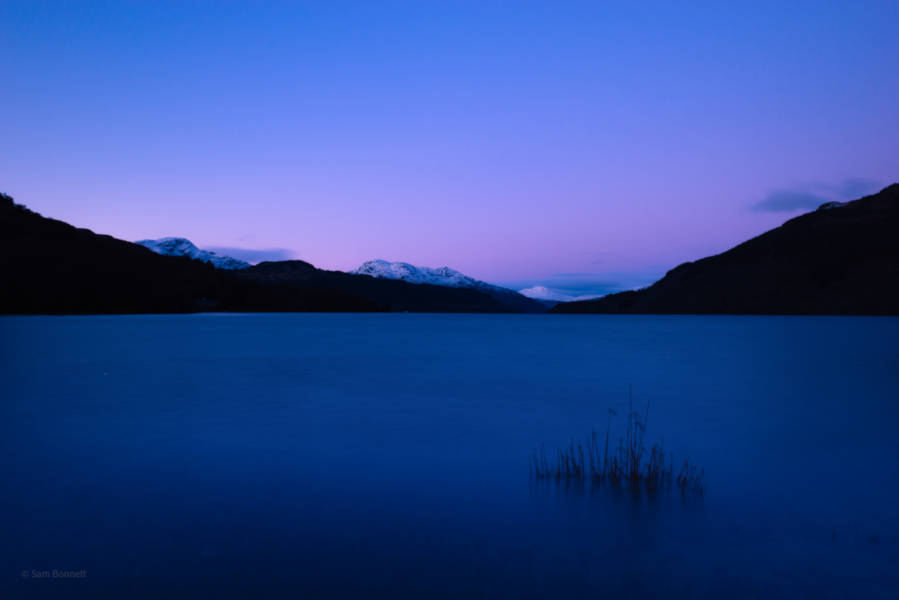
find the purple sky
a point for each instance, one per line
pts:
(584, 146)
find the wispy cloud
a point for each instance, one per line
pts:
(253, 255)
(813, 195)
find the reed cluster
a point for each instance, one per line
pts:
(629, 464)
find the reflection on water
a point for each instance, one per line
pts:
(387, 456)
(598, 494)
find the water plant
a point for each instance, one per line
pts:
(628, 465)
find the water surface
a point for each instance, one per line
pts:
(387, 456)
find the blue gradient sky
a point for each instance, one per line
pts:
(580, 145)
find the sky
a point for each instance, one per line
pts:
(585, 146)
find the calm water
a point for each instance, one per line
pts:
(387, 456)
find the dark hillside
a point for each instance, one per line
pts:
(842, 259)
(50, 267)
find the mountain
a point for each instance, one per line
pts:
(175, 246)
(50, 267)
(406, 272)
(446, 277)
(388, 294)
(842, 258)
(541, 292)
(545, 294)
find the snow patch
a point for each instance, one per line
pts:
(175, 246)
(541, 292)
(444, 276)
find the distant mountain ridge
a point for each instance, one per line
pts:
(841, 259)
(541, 292)
(50, 267)
(177, 246)
(401, 270)
(392, 295)
(446, 277)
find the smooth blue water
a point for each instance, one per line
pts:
(387, 456)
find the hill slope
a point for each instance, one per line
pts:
(50, 267)
(840, 259)
(446, 277)
(389, 295)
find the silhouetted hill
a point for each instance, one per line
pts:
(390, 295)
(446, 277)
(840, 259)
(50, 267)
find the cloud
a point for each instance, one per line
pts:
(571, 286)
(853, 189)
(811, 196)
(785, 200)
(253, 255)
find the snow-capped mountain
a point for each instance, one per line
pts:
(446, 277)
(175, 246)
(406, 272)
(541, 292)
